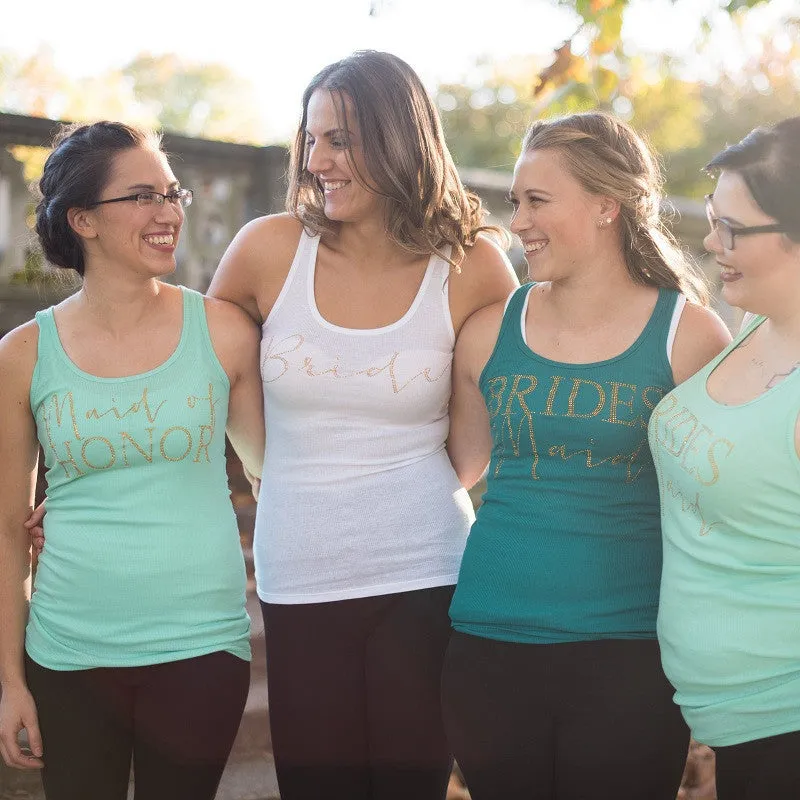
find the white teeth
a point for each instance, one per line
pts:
(331, 186)
(164, 239)
(532, 247)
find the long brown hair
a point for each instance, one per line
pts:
(406, 157)
(607, 157)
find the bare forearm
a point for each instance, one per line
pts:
(14, 571)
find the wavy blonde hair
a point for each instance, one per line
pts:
(607, 157)
(407, 160)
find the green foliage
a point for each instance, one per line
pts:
(195, 99)
(687, 122)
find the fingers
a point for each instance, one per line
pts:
(36, 517)
(17, 713)
(255, 485)
(37, 540)
(18, 757)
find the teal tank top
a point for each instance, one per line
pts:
(566, 545)
(729, 621)
(142, 563)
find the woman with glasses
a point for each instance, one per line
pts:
(361, 289)
(136, 643)
(727, 451)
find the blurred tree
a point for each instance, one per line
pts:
(687, 121)
(196, 99)
(154, 91)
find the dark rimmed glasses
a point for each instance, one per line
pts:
(727, 233)
(180, 197)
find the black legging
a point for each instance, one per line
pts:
(573, 721)
(354, 697)
(176, 720)
(764, 769)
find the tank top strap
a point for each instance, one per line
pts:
(660, 320)
(48, 334)
(298, 283)
(196, 334)
(50, 355)
(513, 317)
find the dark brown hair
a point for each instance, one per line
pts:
(405, 154)
(75, 174)
(768, 159)
(607, 157)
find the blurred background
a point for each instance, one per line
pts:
(224, 83)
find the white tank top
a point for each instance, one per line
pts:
(358, 497)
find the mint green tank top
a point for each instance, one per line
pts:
(729, 621)
(142, 563)
(567, 543)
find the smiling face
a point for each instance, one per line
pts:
(335, 166)
(556, 219)
(761, 270)
(142, 240)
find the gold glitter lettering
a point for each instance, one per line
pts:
(112, 452)
(203, 444)
(293, 343)
(692, 505)
(713, 461)
(166, 435)
(651, 404)
(615, 401)
(515, 392)
(576, 386)
(148, 455)
(548, 409)
(70, 460)
(142, 403)
(496, 388)
(516, 437)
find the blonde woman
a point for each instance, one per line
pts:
(553, 686)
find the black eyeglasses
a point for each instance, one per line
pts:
(727, 233)
(180, 197)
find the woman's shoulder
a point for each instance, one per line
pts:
(277, 229)
(18, 352)
(701, 336)
(485, 277)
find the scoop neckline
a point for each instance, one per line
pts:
(637, 342)
(712, 367)
(415, 303)
(139, 375)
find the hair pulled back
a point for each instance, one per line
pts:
(75, 174)
(607, 157)
(768, 160)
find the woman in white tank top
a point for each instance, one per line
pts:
(361, 289)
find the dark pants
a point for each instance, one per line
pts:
(572, 721)
(764, 769)
(355, 707)
(176, 720)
